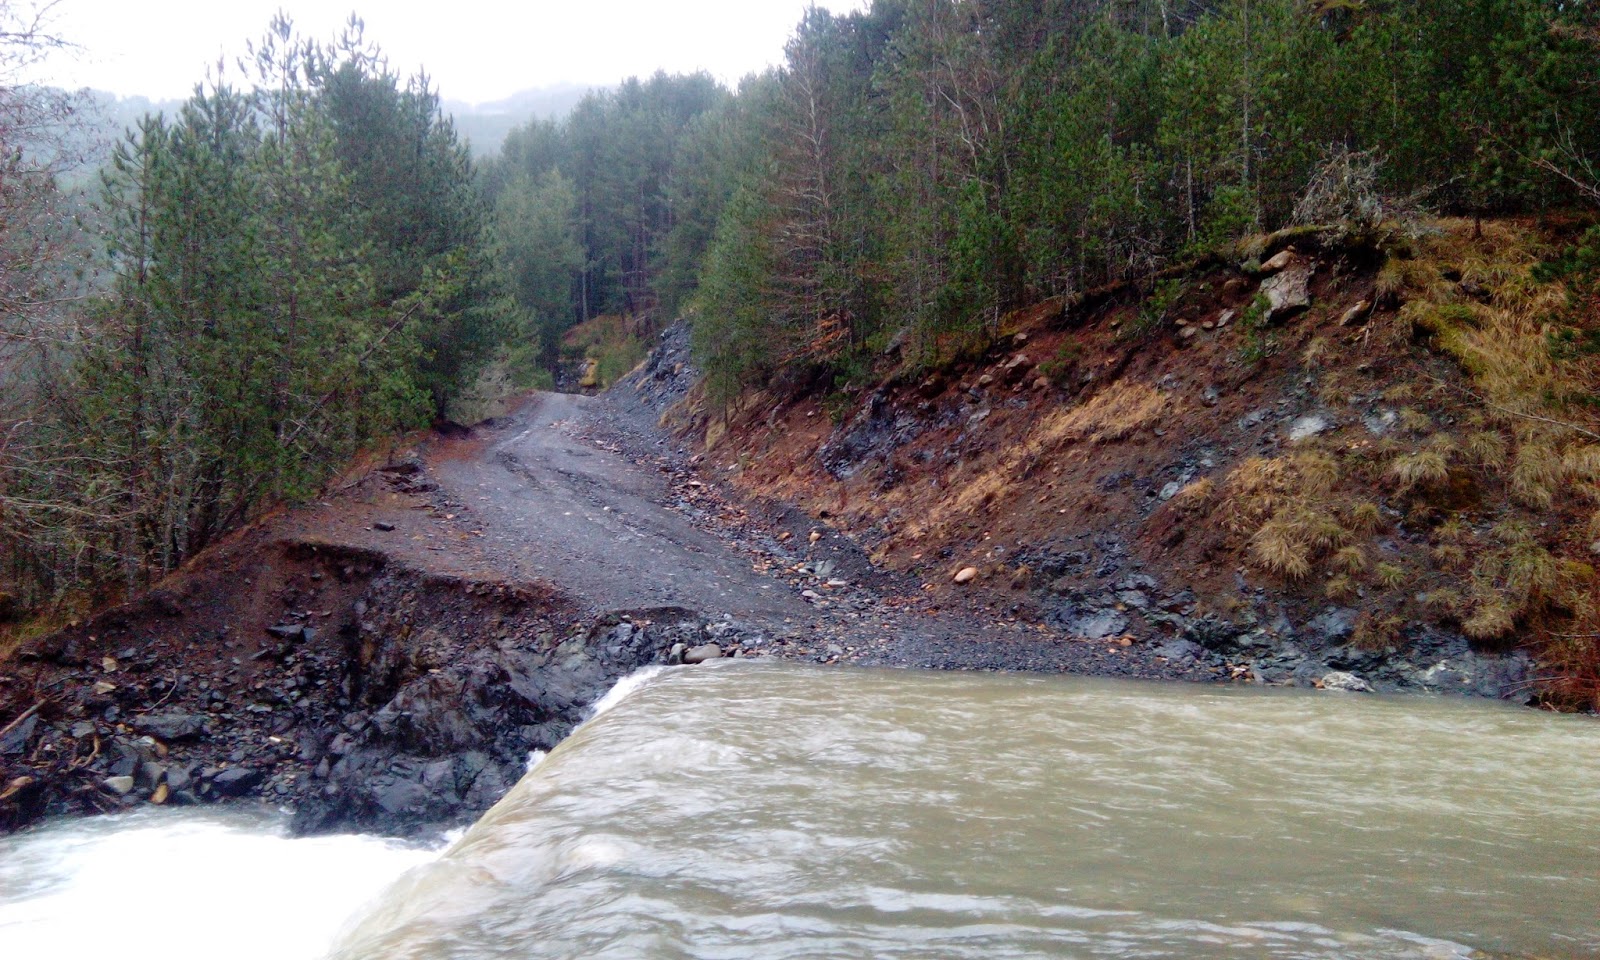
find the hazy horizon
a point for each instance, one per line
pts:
(160, 50)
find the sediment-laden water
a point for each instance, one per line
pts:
(776, 812)
(747, 810)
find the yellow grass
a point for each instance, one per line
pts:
(1115, 413)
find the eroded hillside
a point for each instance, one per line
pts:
(1377, 454)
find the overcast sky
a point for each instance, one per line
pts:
(475, 50)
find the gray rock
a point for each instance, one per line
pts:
(1100, 625)
(702, 653)
(1180, 650)
(151, 773)
(16, 739)
(401, 797)
(1345, 682)
(236, 781)
(1137, 599)
(179, 778)
(1287, 293)
(121, 786)
(1334, 624)
(1309, 426)
(1253, 418)
(171, 726)
(1380, 422)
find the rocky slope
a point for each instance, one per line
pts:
(1334, 460)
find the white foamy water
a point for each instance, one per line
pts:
(183, 883)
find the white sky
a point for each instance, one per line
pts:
(475, 50)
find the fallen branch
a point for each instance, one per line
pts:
(1510, 412)
(18, 721)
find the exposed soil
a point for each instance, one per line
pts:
(386, 657)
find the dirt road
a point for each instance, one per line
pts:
(556, 504)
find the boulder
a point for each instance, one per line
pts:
(121, 786)
(236, 781)
(1287, 293)
(1280, 261)
(966, 575)
(1344, 682)
(702, 653)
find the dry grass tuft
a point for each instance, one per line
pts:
(1486, 448)
(1294, 538)
(1366, 517)
(1374, 632)
(1318, 471)
(1424, 468)
(1450, 556)
(1351, 559)
(1339, 588)
(1278, 549)
(1315, 352)
(1195, 495)
(1390, 576)
(1581, 463)
(1536, 475)
(1491, 619)
(1413, 420)
(1446, 604)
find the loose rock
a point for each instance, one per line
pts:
(1344, 682)
(702, 653)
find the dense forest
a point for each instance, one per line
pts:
(912, 172)
(304, 259)
(294, 265)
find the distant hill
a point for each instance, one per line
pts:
(484, 125)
